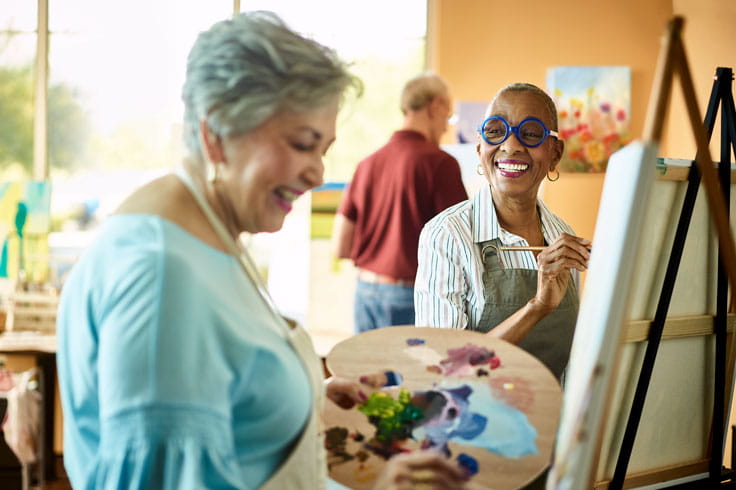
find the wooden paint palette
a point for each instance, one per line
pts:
(483, 401)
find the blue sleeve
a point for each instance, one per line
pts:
(155, 431)
(149, 438)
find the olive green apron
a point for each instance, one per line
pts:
(508, 290)
(306, 466)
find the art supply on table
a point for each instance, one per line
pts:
(4, 259)
(20, 223)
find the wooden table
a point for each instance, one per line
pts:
(43, 348)
(442, 364)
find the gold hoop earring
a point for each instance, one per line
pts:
(556, 178)
(479, 169)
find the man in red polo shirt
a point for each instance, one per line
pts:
(393, 193)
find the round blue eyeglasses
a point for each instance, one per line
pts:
(531, 132)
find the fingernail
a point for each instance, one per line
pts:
(363, 379)
(362, 396)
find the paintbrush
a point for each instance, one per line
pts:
(521, 248)
(510, 248)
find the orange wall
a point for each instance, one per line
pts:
(710, 41)
(482, 45)
(479, 46)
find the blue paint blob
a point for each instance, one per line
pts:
(415, 341)
(478, 419)
(392, 378)
(468, 463)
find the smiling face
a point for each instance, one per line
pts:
(513, 170)
(264, 171)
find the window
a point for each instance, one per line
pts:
(115, 73)
(385, 40)
(17, 55)
(115, 111)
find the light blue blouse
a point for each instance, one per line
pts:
(171, 373)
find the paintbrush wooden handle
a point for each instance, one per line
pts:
(521, 248)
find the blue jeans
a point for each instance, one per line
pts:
(382, 305)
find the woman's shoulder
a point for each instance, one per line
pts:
(137, 231)
(130, 244)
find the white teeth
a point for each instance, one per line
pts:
(518, 167)
(286, 194)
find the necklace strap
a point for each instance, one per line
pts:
(235, 247)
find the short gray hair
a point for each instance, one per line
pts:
(528, 87)
(420, 90)
(243, 71)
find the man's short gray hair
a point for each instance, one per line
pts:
(420, 90)
(245, 70)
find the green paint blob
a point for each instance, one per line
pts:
(394, 419)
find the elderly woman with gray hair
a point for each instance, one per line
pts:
(176, 370)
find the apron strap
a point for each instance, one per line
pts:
(489, 252)
(234, 247)
(306, 464)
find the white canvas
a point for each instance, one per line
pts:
(626, 191)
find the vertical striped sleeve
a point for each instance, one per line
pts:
(440, 288)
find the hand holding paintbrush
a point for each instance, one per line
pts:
(522, 248)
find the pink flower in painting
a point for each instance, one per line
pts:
(567, 133)
(610, 138)
(621, 115)
(585, 136)
(575, 154)
(605, 107)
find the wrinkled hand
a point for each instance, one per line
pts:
(421, 469)
(554, 263)
(344, 392)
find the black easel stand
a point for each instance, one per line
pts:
(720, 94)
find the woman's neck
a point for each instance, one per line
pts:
(520, 218)
(216, 200)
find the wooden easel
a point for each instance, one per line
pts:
(673, 61)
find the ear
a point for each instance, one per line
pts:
(435, 106)
(559, 150)
(211, 143)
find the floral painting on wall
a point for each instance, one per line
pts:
(593, 104)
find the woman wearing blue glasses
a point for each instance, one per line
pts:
(470, 274)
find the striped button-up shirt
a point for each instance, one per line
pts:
(448, 291)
